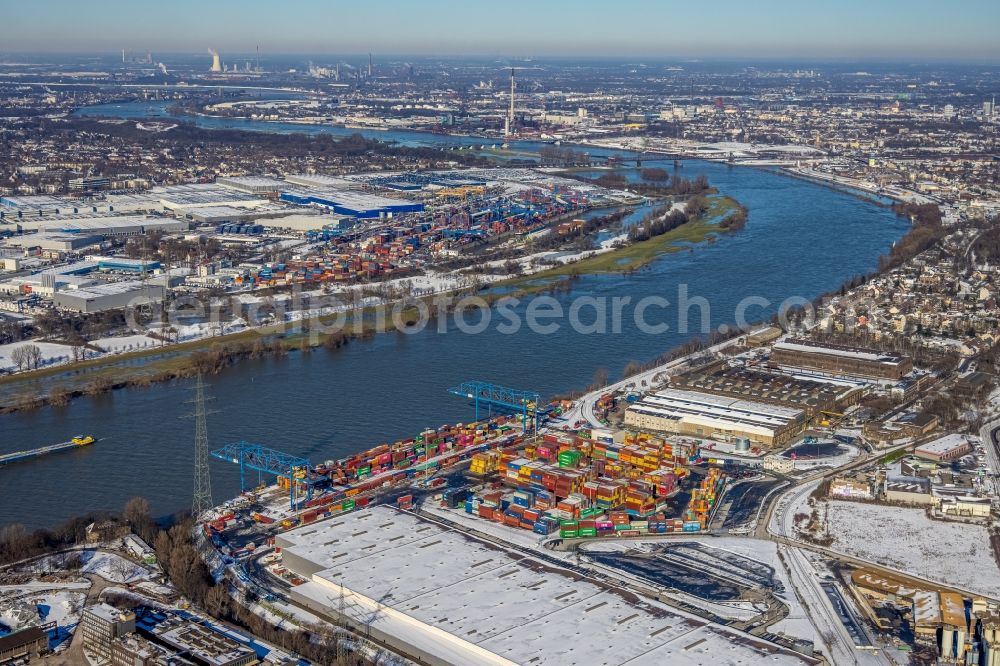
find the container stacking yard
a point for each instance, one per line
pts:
(583, 485)
(420, 587)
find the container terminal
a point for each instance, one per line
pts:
(19, 456)
(578, 483)
(453, 501)
(368, 549)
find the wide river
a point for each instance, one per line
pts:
(802, 239)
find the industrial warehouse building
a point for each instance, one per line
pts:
(961, 628)
(909, 491)
(253, 184)
(199, 195)
(319, 181)
(810, 395)
(54, 242)
(354, 204)
(714, 416)
(945, 449)
(419, 586)
(125, 225)
(840, 360)
(109, 296)
(23, 644)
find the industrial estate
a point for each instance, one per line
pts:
(815, 484)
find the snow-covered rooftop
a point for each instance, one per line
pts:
(468, 601)
(944, 444)
(829, 350)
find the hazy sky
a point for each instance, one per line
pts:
(919, 29)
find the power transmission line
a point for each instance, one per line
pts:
(201, 500)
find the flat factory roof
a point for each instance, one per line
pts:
(107, 289)
(944, 444)
(250, 181)
(35, 201)
(318, 180)
(831, 350)
(468, 601)
(926, 607)
(352, 199)
(711, 409)
(203, 194)
(205, 645)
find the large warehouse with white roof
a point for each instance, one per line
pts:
(447, 598)
(714, 416)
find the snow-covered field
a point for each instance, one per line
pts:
(906, 539)
(126, 343)
(63, 608)
(52, 353)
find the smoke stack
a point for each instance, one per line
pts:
(216, 61)
(509, 124)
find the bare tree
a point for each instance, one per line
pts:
(139, 517)
(19, 355)
(34, 356)
(122, 569)
(600, 378)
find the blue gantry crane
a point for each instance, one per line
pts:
(524, 402)
(263, 459)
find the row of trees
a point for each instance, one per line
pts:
(27, 357)
(987, 246)
(12, 330)
(76, 328)
(655, 174)
(677, 186)
(657, 225)
(17, 543)
(563, 156)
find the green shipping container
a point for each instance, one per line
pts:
(569, 534)
(569, 459)
(348, 505)
(568, 523)
(588, 532)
